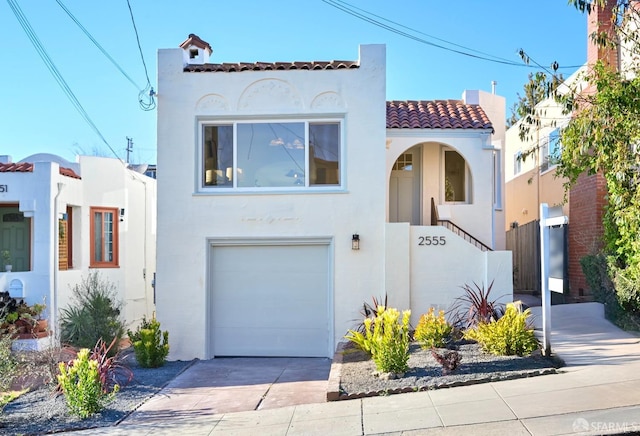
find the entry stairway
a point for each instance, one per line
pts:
(436, 221)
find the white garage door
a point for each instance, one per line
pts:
(270, 300)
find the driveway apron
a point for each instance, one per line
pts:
(237, 384)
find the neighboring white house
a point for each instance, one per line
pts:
(290, 193)
(62, 220)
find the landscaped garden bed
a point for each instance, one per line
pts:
(43, 410)
(357, 377)
(477, 341)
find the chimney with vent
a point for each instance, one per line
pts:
(587, 198)
(195, 51)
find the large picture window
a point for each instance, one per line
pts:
(291, 155)
(104, 237)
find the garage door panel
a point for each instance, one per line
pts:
(270, 300)
(286, 315)
(281, 342)
(271, 258)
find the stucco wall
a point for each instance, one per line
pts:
(186, 218)
(104, 183)
(437, 271)
(475, 217)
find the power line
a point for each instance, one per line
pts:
(26, 26)
(367, 16)
(148, 91)
(104, 52)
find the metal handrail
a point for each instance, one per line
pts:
(464, 234)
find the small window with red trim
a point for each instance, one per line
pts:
(104, 237)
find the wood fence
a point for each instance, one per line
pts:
(524, 243)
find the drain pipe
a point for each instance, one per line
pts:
(53, 318)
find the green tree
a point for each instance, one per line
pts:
(604, 136)
(539, 87)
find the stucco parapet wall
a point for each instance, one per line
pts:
(270, 66)
(367, 52)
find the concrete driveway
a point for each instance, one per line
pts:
(237, 384)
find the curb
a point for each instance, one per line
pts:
(333, 384)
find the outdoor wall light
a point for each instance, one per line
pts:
(355, 242)
(121, 214)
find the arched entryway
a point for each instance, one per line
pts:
(423, 172)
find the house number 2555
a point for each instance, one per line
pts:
(432, 240)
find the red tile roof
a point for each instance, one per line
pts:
(194, 39)
(26, 167)
(436, 114)
(269, 66)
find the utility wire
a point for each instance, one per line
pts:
(148, 91)
(26, 26)
(419, 32)
(367, 16)
(104, 52)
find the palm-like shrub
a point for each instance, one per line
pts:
(93, 315)
(475, 306)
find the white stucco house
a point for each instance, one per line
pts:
(61, 220)
(290, 193)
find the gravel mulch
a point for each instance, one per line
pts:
(357, 379)
(41, 411)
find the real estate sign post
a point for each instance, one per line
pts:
(545, 223)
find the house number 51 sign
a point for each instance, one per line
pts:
(4, 188)
(432, 240)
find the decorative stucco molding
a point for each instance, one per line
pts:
(212, 103)
(269, 95)
(328, 101)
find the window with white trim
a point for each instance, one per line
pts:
(268, 155)
(550, 149)
(517, 163)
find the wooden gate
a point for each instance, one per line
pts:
(524, 243)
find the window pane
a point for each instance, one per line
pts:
(217, 156)
(97, 237)
(324, 154)
(455, 183)
(270, 154)
(108, 236)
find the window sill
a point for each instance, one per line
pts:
(548, 169)
(240, 192)
(104, 266)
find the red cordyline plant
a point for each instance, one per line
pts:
(370, 310)
(111, 369)
(475, 306)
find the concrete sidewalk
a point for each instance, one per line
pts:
(598, 393)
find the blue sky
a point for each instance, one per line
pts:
(36, 116)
